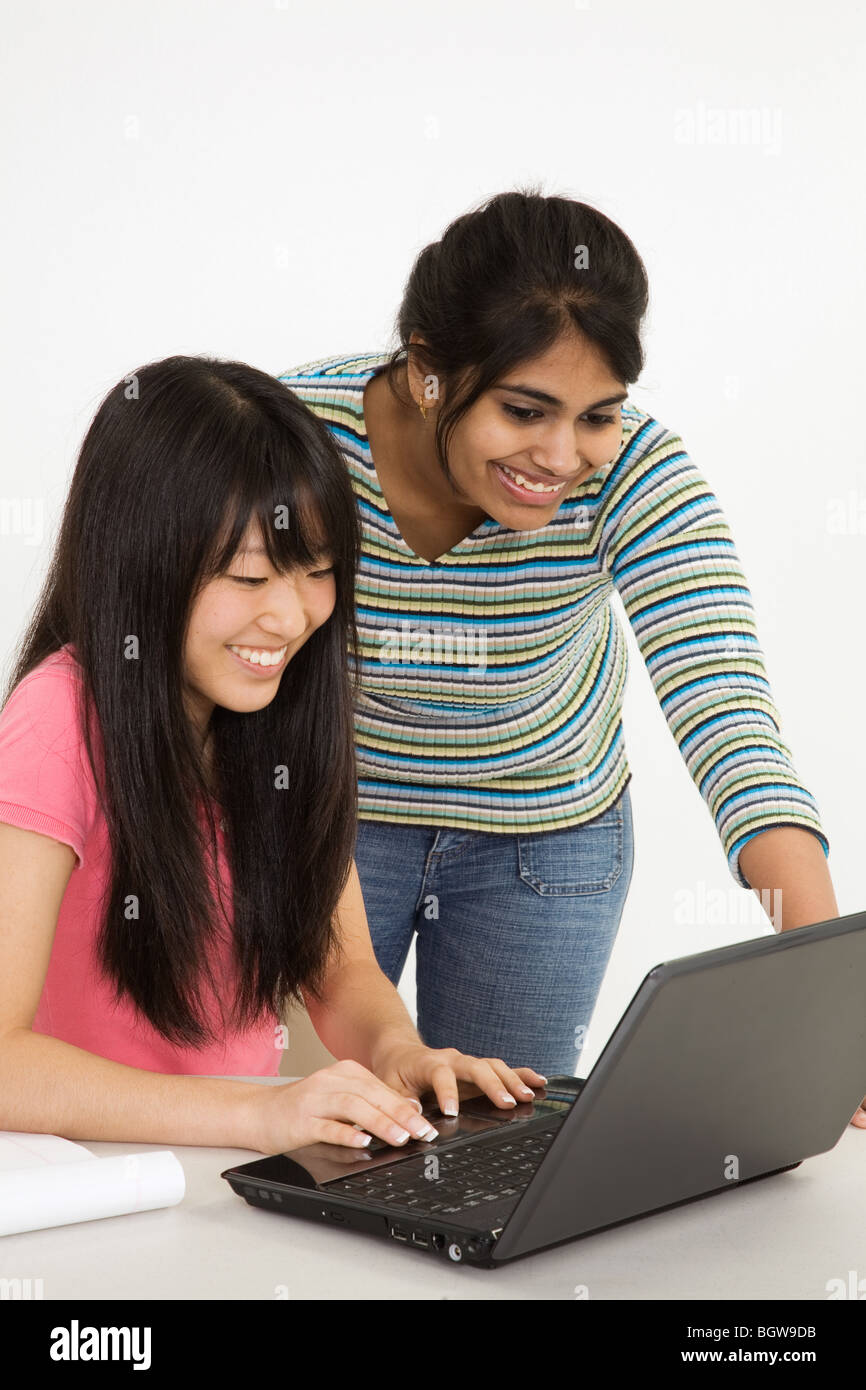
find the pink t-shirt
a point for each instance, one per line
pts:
(46, 785)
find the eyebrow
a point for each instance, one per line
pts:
(546, 399)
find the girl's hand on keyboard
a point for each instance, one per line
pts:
(327, 1106)
(413, 1069)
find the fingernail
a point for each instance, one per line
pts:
(526, 1091)
(509, 1100)
(450, 1107)
(365, 1141)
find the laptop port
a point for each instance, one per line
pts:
(419, 1238)
(398, 1234)
(438, 1241)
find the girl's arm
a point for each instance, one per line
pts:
(361, 1009)
(52, 1087)
(49, 1086)
(363, 1017)
(787, 868)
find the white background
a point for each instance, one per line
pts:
(254, 181)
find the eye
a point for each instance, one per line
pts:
(522, 413)
(263, 579)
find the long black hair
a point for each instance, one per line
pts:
(505, 281)
(181, 455)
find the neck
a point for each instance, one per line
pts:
(410, 452)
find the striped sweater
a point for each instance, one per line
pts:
(492, 679)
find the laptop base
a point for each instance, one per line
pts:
(458, 1244)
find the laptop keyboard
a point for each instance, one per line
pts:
(469, 1175)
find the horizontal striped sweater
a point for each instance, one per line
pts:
(492, 678)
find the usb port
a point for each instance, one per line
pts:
(419, 1238)
(397, 1234)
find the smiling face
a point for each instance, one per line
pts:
(245, 627)
(549, 424)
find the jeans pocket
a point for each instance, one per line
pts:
(579, 859)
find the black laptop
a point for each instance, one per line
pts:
(727, 1066)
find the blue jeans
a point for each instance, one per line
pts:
(514, 931)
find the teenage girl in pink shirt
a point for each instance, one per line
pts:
(178, 792)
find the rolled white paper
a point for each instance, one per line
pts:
(49, 1181)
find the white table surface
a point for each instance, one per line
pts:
(782, 1237)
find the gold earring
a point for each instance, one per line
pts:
(421, 407)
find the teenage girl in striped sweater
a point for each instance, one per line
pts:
(506, 487)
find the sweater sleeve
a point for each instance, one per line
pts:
(672, 559)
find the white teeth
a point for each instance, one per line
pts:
(257, 657)
(524, 482)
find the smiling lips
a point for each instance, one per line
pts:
(517, 483)
(259, 658)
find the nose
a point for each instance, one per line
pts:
(561, 458)
(285, 617)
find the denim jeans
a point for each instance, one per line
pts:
(514, 930)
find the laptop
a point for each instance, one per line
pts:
(727, 1066)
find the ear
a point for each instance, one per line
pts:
(415, 371)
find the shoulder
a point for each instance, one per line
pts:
(333, 379)
(654, 492)
(49, 695)
(41, 723)
(46, 782)
(651, 463)
(355, 368)
(646, 446)
(333, 388)
(650, 490)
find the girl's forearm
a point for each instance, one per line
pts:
(787, 868)
(48, 1086)
(363, 1013)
